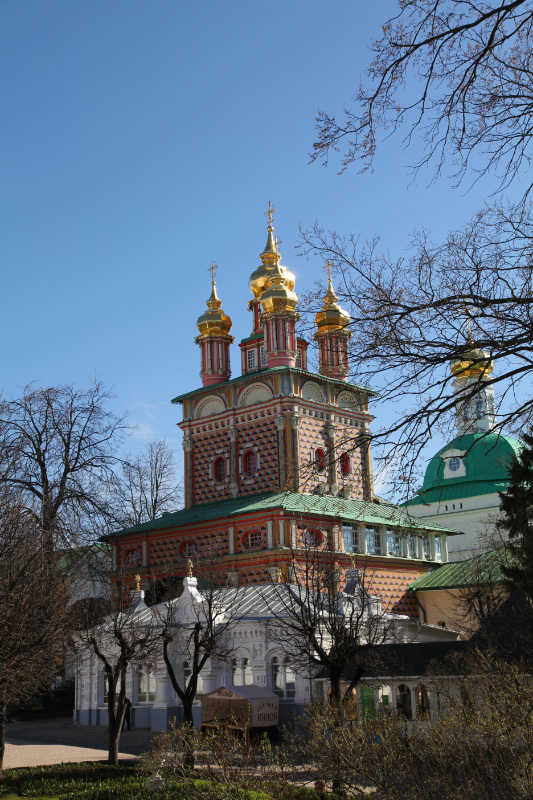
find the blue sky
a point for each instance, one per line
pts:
(141, 140)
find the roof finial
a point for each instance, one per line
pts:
(327, 267)
(137, 583)
(190, 566)
(270, 214)
(280, 575)
(213, 270)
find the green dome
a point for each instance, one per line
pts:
(483, 470)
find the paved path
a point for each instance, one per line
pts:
(56, 740)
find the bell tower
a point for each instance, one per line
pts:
(332, 335)
(474, 392)
(214, 339)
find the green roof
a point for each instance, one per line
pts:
(482, 569)
(486, 463)
(293, 503)
(269, 371)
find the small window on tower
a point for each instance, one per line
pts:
(250, 356)
(219, 469)
(299, 359)
(263, 357)
(250, 463)
(320, 460)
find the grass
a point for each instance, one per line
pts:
(100, 781)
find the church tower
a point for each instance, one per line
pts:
(332, 335)
(214, 339)
(474, 392)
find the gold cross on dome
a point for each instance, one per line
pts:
(270, 213)
(137, 583)
(213, 270)
(328, 267)
(190, 566)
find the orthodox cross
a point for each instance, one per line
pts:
(190, 566)
(213, 270)
(327, 267)
(270, 213)
(137, 583)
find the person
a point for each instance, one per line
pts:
(127, 714)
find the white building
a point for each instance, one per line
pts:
(463, 479)
(256, 660)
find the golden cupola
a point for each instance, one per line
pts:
(214, 339)
(214, 322)
(278, 297)
(472, 362)
(332, 335)
(332, 317)
(270, 260)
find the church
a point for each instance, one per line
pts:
(280, 455)
(277, 460)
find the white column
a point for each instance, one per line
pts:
(281, 527)
(384, 540)
(270, 541)
(362, 539)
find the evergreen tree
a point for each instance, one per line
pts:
(517, 507)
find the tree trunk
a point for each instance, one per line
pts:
(335, 686)
(3, 714)
(114, 738)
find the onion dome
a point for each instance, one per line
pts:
(279, 296)
(270, 257)
(214, 322)
(472, 362)
(332, 317)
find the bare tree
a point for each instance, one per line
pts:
(33, 619)
(146, 485)
(320, 620)
(457, 73)
(410, 318)
(58, 450)
(127, 636)
(196, 626)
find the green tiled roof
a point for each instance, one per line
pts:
(461, 574)
(293, 503)
(266, 371)
(456, 491)
(486, 465)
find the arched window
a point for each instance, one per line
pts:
(345, 464)
(241, 672)
(252, 540)
(249, 463)
(145, 685)
(403, 701)
(313, 537)
(320, 460)
(283, 678)
(422, 701)
(219, 469)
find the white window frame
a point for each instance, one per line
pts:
(350, 538)
(396, 537)
(262, 356)
(250, 359)
(146, 674)
(280, 668)
(241, 672)
(374, 546)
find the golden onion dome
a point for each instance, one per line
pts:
(332, 317)
(214, 322)
(278, 296)
(270, 258)
(472, 362)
